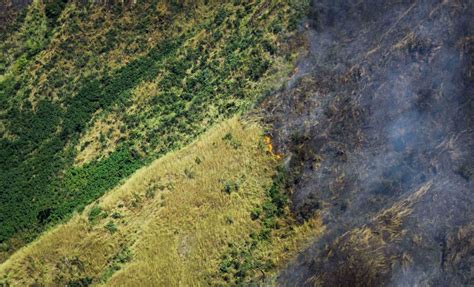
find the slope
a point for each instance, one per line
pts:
(378, 129)
(173, 222)
(89, 93)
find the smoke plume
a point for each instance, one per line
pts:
(377, 123)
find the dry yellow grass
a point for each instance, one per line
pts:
(101, 139)
(173, 215)
(362, 256)
(89, 147)
(182, 235)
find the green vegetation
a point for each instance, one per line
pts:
(124, 256)
(37, 133)
(58, 84)
(230, 186)
(241, 264)
(111, 227)
(230, 140)
(178, 236)
(94, 213)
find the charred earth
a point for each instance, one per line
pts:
(377, 127)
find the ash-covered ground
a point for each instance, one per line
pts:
(377, 125)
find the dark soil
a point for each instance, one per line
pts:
(377, 126)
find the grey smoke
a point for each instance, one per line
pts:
(389, 108)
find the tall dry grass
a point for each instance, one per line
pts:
(173, 215)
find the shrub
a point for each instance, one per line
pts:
(230, 186)
(116, 215)
(94, 213)
(231, 141)
(111, 227)
(123, 256)
(229, 219)
(189, 173)
(82, 282)
(239, 262)
(198, 160)
(150, 193)
(255, 214)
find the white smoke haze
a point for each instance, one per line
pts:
(383, 103)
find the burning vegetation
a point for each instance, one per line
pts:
(377, 128)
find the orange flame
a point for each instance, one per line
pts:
(268, 142)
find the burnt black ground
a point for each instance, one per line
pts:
(377, 124)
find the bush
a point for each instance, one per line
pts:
(116, 215)
(239, 262)
(123, 256)
(94, 213)
(111, 227)
(255, 214)
(189, 173)
(231, 141)
(230, 186)
(150, 193)
(82, 282)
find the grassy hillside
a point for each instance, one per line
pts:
(89, 94)
(211, 213)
